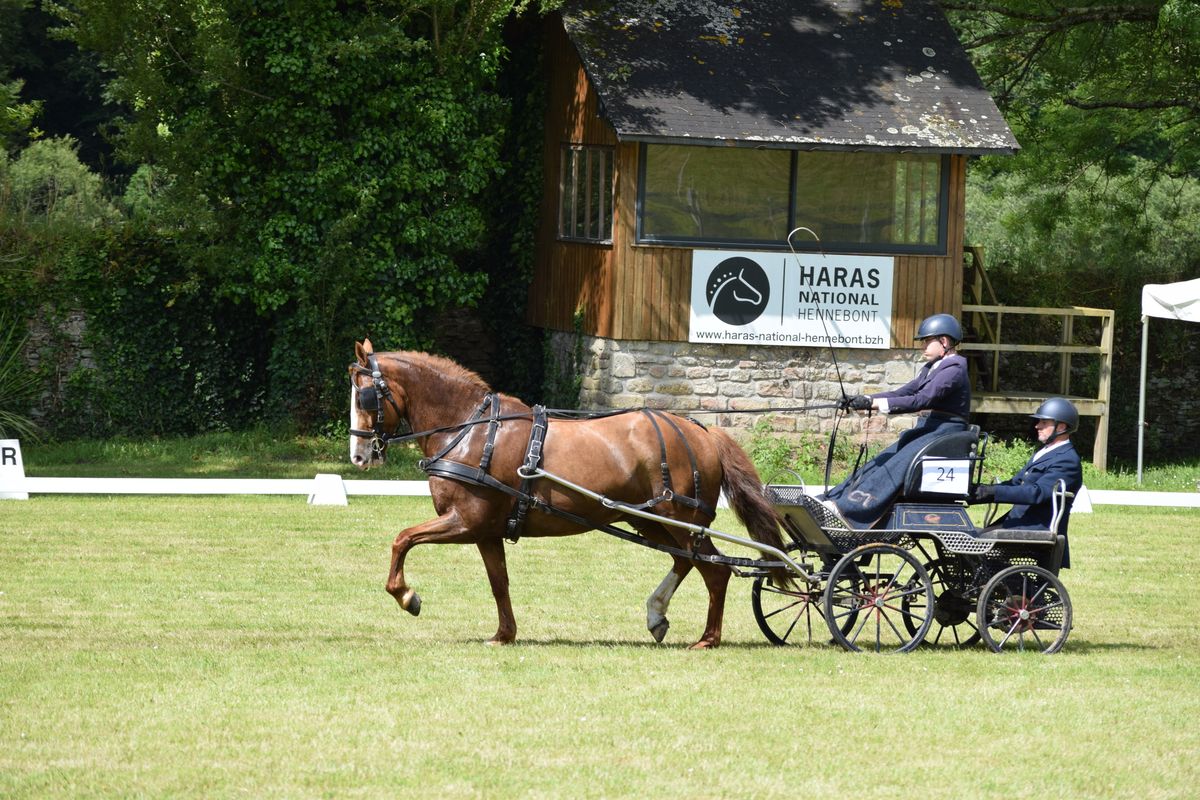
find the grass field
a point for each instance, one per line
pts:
(221, 647)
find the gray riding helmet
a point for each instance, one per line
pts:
(1059, 409)
(940, 325)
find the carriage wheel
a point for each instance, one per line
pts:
(952, 609)
(869, 586)
(790, 615)
(1024, 607)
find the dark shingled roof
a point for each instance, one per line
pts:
(822, 74)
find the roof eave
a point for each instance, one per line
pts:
(802, 143)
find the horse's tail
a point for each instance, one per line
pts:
(744, 490)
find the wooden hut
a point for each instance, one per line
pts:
(683, 135)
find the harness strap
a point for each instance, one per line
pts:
(668, 492)
(693, 502)
(438, 465)
(533, 460)
(489, 446)
(489, 401)
(662, 452)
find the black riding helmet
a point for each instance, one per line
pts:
(940, 325)
(1059, 409)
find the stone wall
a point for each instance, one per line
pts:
(723, 379)
(56, 348)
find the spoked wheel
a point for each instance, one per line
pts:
(952, 608)
(1024, 608)
(879, 587)
(790, 615)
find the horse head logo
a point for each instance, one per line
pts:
(738, 291)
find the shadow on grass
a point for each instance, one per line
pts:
(1071, 648)
(582, 644)
(1088, 648)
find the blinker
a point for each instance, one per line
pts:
(368, 398)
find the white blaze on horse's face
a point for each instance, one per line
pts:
(361, 453)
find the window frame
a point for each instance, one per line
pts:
(807, 244)
(575, 187)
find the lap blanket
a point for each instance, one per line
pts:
(866, 496)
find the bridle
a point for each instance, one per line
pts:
(371, 399)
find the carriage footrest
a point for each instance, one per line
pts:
(1018, 535)
(806, 519)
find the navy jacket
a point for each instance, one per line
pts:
(1030, 489)
(946, 389)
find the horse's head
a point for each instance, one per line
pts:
(378, 410)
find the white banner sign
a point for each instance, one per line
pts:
(812, 300)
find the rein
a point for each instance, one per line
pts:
(559, 413)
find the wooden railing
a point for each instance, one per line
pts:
(987, 320)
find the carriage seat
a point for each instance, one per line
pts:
(958, 446)
(1060, 503)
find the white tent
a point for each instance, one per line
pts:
(1172, 301)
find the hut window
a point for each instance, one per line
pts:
(880, 200)
(585, 209)
(855, 202)
(714, 194)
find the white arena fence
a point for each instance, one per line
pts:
(323, 489)
(332, 489)
(329, 489)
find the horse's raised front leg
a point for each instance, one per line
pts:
(446, 529)
(492, 551)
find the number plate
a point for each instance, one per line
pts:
(945, 476)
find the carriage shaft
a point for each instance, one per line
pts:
(616, 505)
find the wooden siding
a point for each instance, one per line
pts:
(570, 276)
(637, 292)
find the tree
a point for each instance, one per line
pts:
(1103, 82)
(341, 152)
(16, 116)
(1104, 96)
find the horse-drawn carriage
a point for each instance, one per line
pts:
(927, 574)
(500, 470)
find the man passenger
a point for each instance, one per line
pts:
(1031, 488)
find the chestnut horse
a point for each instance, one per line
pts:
(619, 456)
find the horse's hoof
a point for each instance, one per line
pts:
(703, 644)
(659, 631)
(493, 642)
(411, 602)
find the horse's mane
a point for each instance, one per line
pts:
(442, 365)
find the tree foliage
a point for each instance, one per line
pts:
(16, 114)
(341, 154)
(1099, 82)
(1104, 96)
